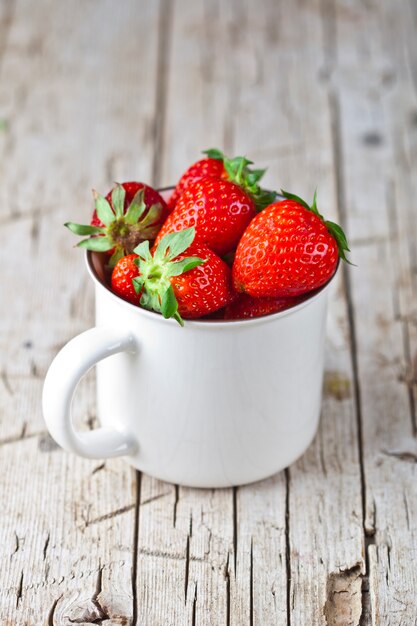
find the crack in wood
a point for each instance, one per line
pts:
(235, 529)
(287, 544)
(194, 609)
(95, 597)
(45, 546)
(177, 496)
(228, 592)
(136, 546)
(251, 616)
(410, 456)
(22, 436)
(98, 468)
(19, 593)
(154, 498)
(17, 544)
(407, 513)
(107, 516)
(6, 382)
(50, 617)
(34, 370)
(94, 612)
(187, 567)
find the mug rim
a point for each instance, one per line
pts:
(207, 323)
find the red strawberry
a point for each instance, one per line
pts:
(178, 285)
(287, 250)
(130, 213)
(219, 210)
(200, 169)
(246, 307)
(234, 170)
(123, 273)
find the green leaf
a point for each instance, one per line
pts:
(181, 242)
(291, 196)
(137, 284)
(145, 299)
(214, 153)
(236, 169)
(229, 169)
(264, 198)
(163, 246)
(254, 176)
(116, 256)
(143, 251)
(179, 319)
(136, 208)
(180, 267)
(97, 244)
(314, 203)
(118, 200)
(103, 208)
(169, 304)
(84, 229)
(153, 215)
(337, 232)
(176, 242)
(150, 300)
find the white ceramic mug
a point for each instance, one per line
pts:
(213, 404)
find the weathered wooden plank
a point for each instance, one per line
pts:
(227, 96)
(324, 530)
(325, 500)
(185, 535)
(367, 135)
(78, 112)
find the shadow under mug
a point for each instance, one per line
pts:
(213, 404)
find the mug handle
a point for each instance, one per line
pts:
(62, 378)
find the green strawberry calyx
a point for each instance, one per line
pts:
(155, 271)
(334, 229)
(121, 232)
(239, 172)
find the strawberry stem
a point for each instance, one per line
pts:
(122, 231)
(239, 172)
(153, 283)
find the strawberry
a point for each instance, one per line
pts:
(218, 209)
(287, 250)
(178, 285)
(123, 273)
(130, 213)
(200, 169)
(246, 307)
(234, 170)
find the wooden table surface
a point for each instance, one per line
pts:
(325, 94)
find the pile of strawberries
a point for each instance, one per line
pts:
(221, 247)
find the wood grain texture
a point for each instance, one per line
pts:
(75, 109)
(365, 117)
(323, 93)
